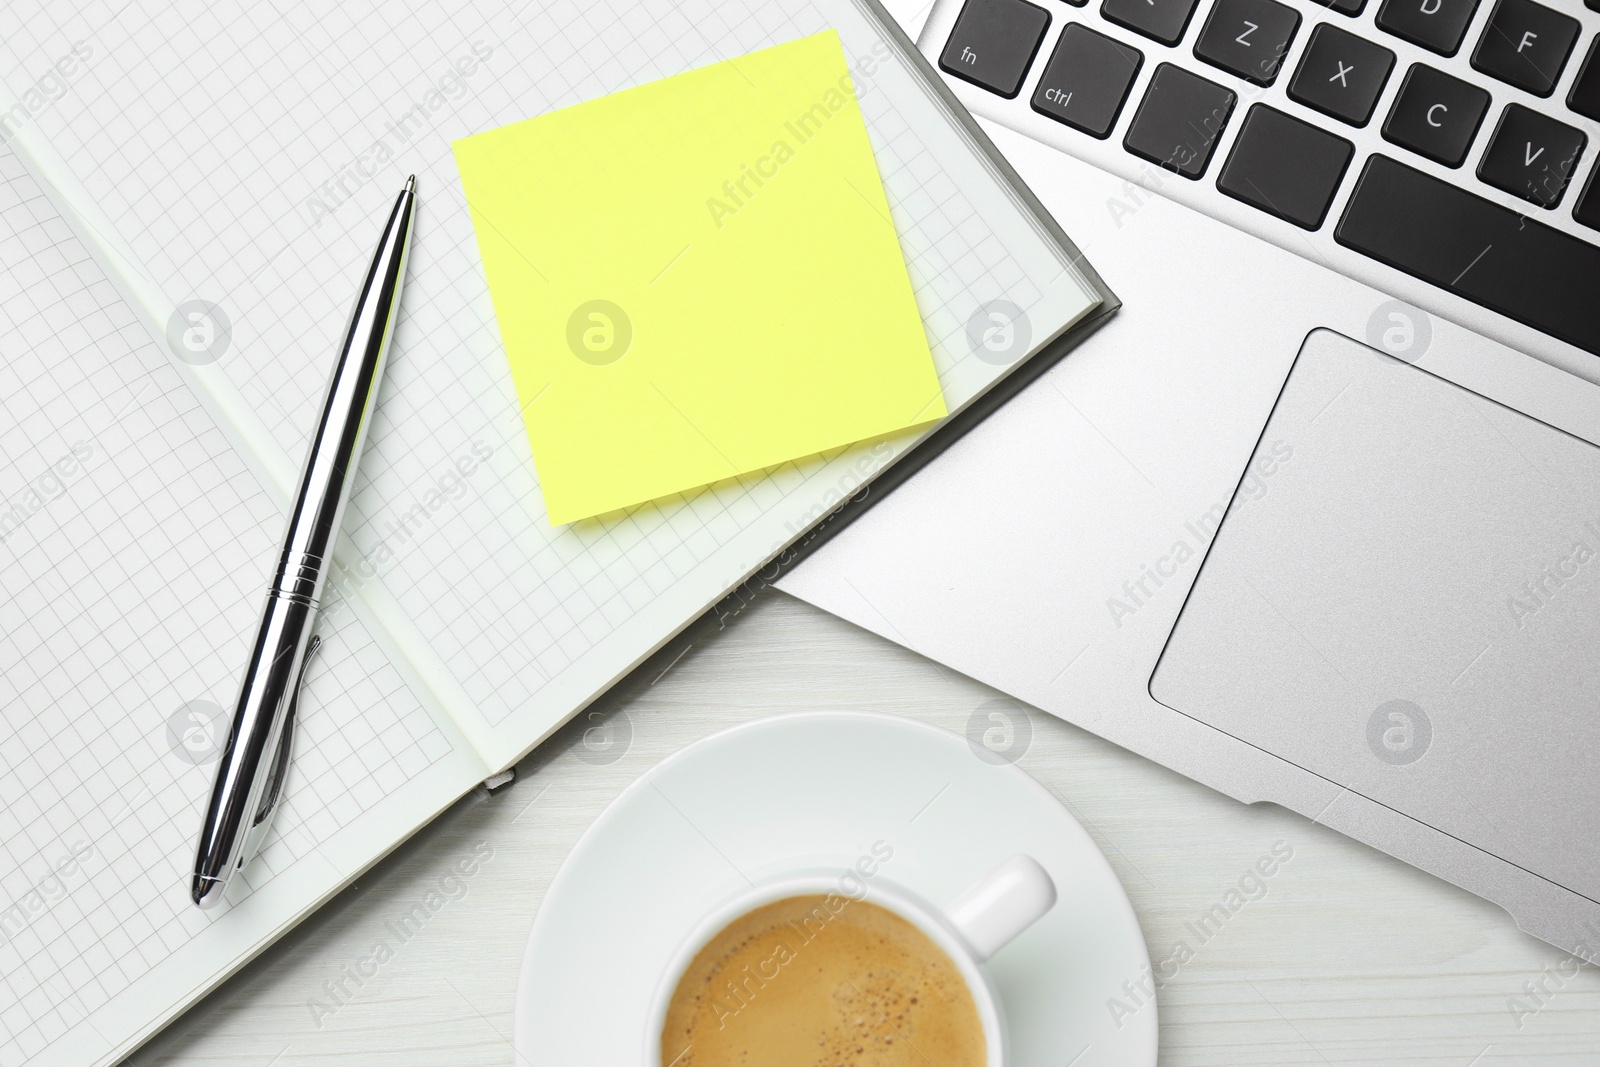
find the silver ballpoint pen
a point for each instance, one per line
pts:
(255, 759)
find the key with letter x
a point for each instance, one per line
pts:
(1341, 75)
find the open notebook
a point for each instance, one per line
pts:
(240, 153)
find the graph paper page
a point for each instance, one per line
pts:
(244, 153)
(134, 550)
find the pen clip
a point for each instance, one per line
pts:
(280, 766)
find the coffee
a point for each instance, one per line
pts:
(822, 980)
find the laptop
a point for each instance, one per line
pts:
(1315, 519)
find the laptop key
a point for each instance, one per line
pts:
(1436, 115)
(1285, 167)
(1478, 250)
(1347, 7)
(993, 44)
(1341, 74)
(1525, 44)
(1248, 38)
(1531, 155)
(1585, 95)
(1588, 209)
(1435, 24)
(1087, 80)
(1179, 121)
(1160, 20)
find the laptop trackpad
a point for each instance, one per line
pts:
(1404, 598)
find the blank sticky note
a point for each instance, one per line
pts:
(697, 278)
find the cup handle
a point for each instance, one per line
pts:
(999, 906)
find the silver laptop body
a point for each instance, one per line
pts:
(1300, 524)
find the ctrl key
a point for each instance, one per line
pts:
(993, 44)
(1087, 80)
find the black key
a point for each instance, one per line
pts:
(1435, 24)
(994, 42)
(1531, 155)
(1587, 210)
(1248, 38)
(1285, 167)
(1436, 115)
(1585, 95)
(1525, 44)
(1162, 20)
(1179, 121)
(1086, 80)
(1480, 251)
(1347, 7)
(1077, 3)
(1341, 74)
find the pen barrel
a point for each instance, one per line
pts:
(265, 691)
(316, 510)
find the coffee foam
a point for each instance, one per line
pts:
(828, 980)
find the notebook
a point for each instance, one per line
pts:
(239, 154)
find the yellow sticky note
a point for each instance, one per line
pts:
(697, 278)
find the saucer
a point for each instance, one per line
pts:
(819, 790)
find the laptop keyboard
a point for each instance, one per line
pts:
(1474, 186)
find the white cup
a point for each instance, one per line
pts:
(980, 921)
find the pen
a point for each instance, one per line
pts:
(255, 759)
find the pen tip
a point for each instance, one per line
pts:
(411, 184)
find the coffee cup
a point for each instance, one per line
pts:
(795, 913)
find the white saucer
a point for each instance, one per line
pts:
(817, 790)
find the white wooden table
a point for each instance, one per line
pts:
(1348, 957)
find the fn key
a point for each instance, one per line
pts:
(993, 44)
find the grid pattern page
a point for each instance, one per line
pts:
(245, 152)
(134, 545)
